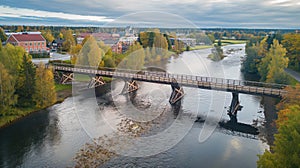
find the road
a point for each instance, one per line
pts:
(294, 74)
(55, 56)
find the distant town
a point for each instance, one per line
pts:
(45, 40)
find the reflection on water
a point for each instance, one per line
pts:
(52, 137)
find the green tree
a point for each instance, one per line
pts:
(144, 39)
(7, 90)
(217, 53)
(26, 82)
(108, 59)
(250, 63)
(219, 43)
(44, 94)
(11, 57)
(286, 145)
(2, 35)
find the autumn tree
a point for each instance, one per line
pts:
(20, 29)
(75, 50)
(292, 98)
(7, 90)
(85, 39)
(263, 47)
(45, 93)
(271, 68)
(90, 54)
(69, 40)
(161, 45)
(60, 35)
(292, 44)
(286, 148)
(48, 36)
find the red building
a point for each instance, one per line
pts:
(31, 42)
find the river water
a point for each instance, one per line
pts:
(52, 137)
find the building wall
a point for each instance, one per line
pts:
(33, 45)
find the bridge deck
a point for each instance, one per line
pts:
(228, 85)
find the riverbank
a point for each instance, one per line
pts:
(62, 92)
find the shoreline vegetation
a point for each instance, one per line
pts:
(62, 92)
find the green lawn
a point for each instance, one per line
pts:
(200, 47)
(227, 42)
(61, 87)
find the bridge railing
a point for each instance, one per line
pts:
(181, 78)
(223, 81)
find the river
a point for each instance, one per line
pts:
(52, 137)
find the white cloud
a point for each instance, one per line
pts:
(205, 13)
(6, 11)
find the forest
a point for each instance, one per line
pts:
(24, 87)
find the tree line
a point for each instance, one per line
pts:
(152, 46)
(270, 55)
(286, 150)
(22, 84)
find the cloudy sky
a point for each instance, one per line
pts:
(200, 13)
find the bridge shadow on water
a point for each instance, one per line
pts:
(231, 126)
(234, 128)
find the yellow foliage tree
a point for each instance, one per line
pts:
(90, 54)
(7, 90)
(45, 93)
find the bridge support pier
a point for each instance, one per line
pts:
(65, 77)
(234, 106)
(96, 82)
(177, 92)
(130, 86)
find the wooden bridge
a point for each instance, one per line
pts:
(177, 81)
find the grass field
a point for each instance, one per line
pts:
(227, 42)
(200, 47)
(61, 87)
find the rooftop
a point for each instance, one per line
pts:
(28, 37)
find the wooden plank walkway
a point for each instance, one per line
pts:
(228, 85)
